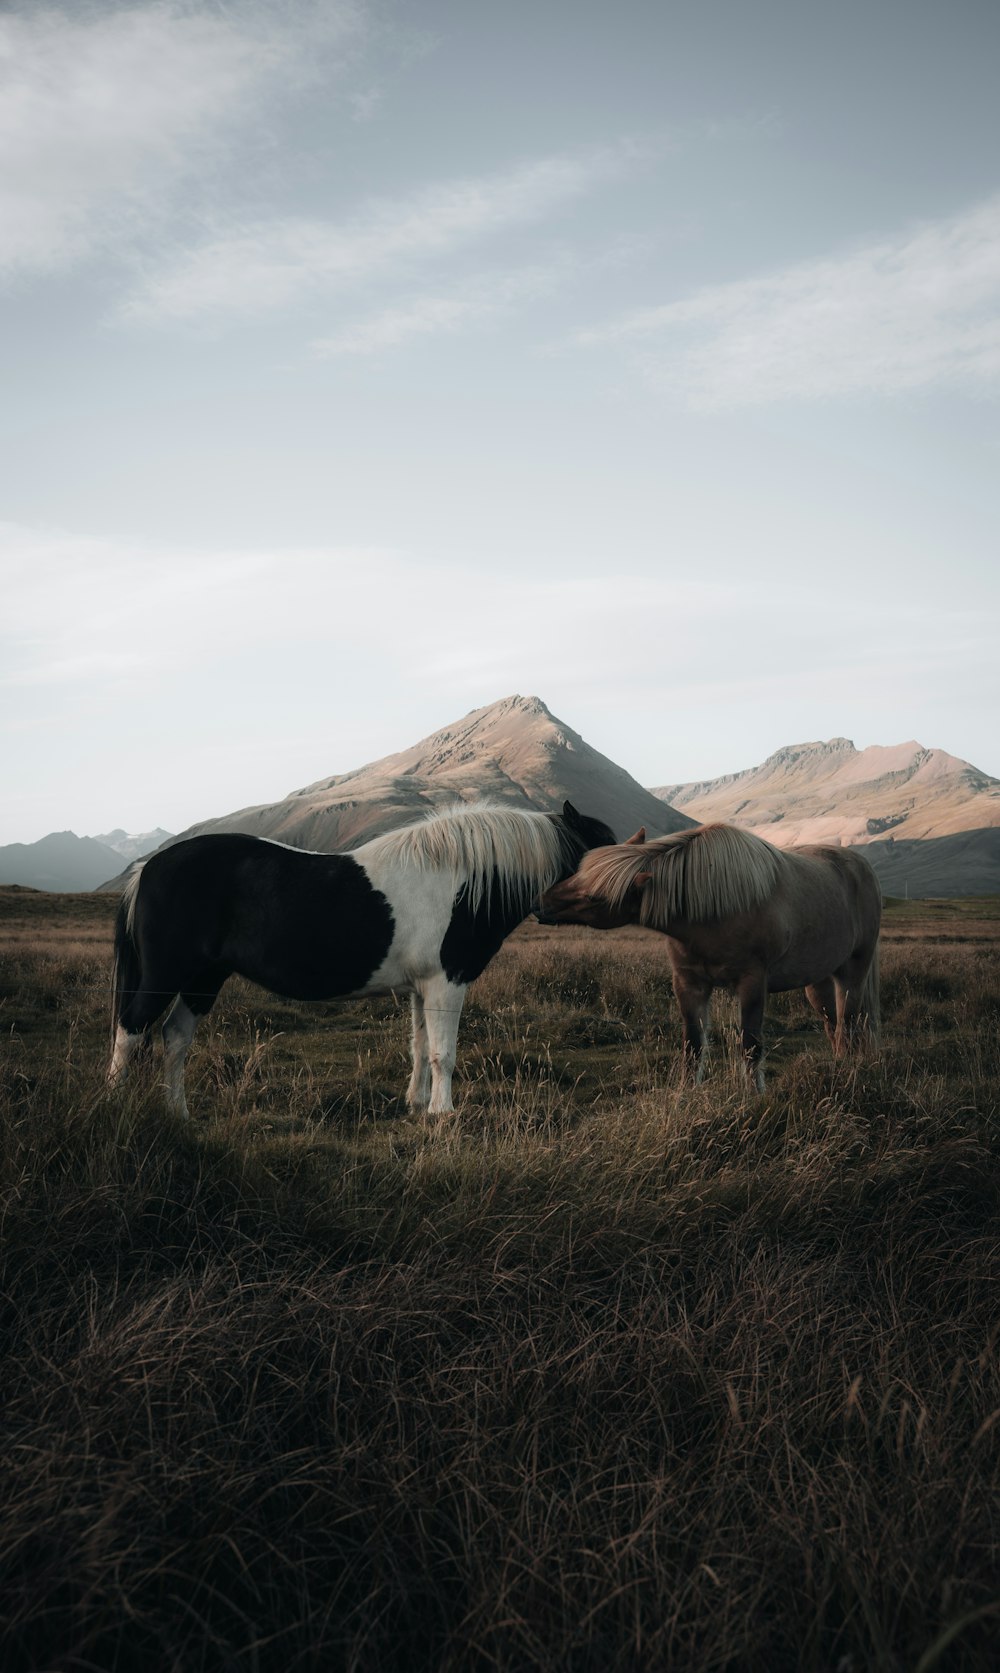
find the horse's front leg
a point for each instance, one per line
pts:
(178, 1032)
(695, 1002)
(442, 1009)
(419, 1089)
(752, 993)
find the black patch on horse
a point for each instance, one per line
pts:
(309, 926)
(473, 937)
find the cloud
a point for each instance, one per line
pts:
(475, 303)
(121, 126)
(106, 112)
(909, 313)
(273, 263)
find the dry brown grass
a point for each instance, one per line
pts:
(609, 1373)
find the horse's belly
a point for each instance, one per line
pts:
(317, 961)
(800, 967)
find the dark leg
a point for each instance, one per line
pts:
(694, 1000)
(752, 996)
(851, 1018)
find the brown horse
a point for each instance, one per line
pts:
(745, 916)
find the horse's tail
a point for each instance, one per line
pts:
(127, 967)
(868, 1004)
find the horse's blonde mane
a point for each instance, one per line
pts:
(481, 843)
(130, 894)
(697, 876)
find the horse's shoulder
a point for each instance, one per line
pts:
(827, 853)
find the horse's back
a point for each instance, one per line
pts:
(854, 875)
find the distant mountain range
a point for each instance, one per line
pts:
(63, 861)
(929, 822)
(134, 847)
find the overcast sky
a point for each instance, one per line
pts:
(365, 363)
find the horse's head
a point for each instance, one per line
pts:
(584, 897)
(580, 833)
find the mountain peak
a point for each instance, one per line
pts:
(817, 750)
(515, 704)
(513, 751)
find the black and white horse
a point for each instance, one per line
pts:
(421, 910)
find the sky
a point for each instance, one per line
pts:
(364, 363)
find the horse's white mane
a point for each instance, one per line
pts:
(480, 843)
(711, 872)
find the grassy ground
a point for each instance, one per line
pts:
(606, 1374)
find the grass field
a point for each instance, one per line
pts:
(606, 1373)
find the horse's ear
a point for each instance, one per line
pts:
(640, 836)
(570, 814)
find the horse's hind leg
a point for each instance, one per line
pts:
(124, 1049)
(822, 996)
(419, 1090)
(138, 1013)
(852, 1020)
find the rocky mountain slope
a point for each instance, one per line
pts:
(513, 751)
(832, 792)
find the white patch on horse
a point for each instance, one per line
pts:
(290, 847)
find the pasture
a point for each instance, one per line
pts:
(603, 1372)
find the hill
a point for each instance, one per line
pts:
(967, 863)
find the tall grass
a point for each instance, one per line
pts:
(606, 1373)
